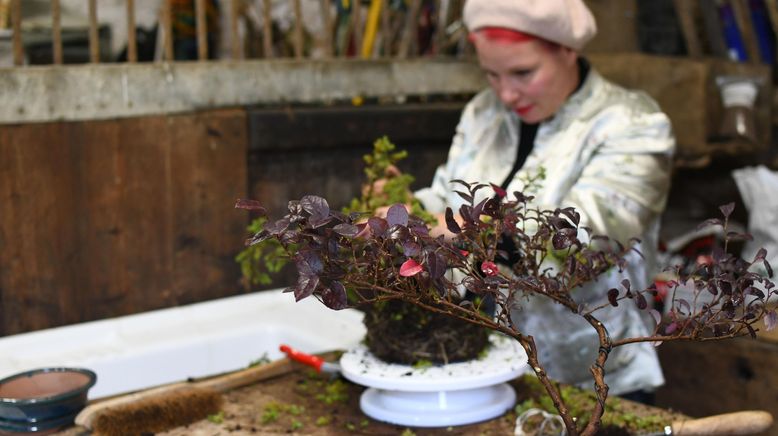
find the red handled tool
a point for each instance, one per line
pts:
(315, 362)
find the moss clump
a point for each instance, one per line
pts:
(617, 419)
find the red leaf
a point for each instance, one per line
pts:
(410, 268)
(489, 268)
(499, 191)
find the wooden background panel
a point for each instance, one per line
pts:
(708, 378)
(36, 259)
(298, 151)
(100, 219)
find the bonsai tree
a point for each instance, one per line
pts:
(395, 258)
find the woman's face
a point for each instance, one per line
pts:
(532, 78)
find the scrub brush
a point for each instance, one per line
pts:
(171, 406)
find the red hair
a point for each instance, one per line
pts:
(501, 34)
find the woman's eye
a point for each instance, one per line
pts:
(522, 73)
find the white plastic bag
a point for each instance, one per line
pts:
(758, 187)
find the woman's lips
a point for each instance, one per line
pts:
(524, 110)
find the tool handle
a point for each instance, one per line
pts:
(306, 359)
(737, 423)
(245, 377)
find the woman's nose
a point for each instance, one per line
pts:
(508, 94)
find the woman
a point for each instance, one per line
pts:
(551, 126)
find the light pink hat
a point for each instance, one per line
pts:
(566, 22)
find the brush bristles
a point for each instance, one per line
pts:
(158, 413)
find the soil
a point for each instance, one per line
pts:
(403, 333)
(305, 403)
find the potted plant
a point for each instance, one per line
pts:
(343, 260)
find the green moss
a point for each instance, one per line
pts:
(296, 425)
(580, 404)
(422, 364)
(216, 418)
(323, 421)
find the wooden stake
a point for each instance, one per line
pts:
(132, 43)
(56, 32)
(298, 30)
(326, 8)
(410, 30)
(16, 18)
(167, 28)
(267, 29)
(237, 47)
(94, 34)
(356, 20)
(202, 30)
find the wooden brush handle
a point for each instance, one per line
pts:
(736, 423)
(248, 376)
(220, 383)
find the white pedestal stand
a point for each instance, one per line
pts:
(440, 396)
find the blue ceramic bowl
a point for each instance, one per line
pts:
(44, 395)
(40, 428)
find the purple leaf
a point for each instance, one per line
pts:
(308, 263)
(770, 320)
(760, 255)
(250, 205)
(277, 227)
(451, 223)
(560, 241)
(411, 248)
(410, 268)
(683, 304)
(437, 265)
(334, 296)
(315, 205)
(768, 268)
(673, 326)
(640, 300)
(475, 214)
(397, 215)
(258, 237)
(467, 197)
(398, 233)
(727, 209)
(378, 225)
(305, 286)
(625, 283)
(613, 295)
(571, 214)
(347, 230)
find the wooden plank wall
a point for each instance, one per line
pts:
(709, 378)
(106, 218)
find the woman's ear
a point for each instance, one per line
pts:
(569, 56)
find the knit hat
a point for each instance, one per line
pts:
(566, 22)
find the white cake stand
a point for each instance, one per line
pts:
(438, 396)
